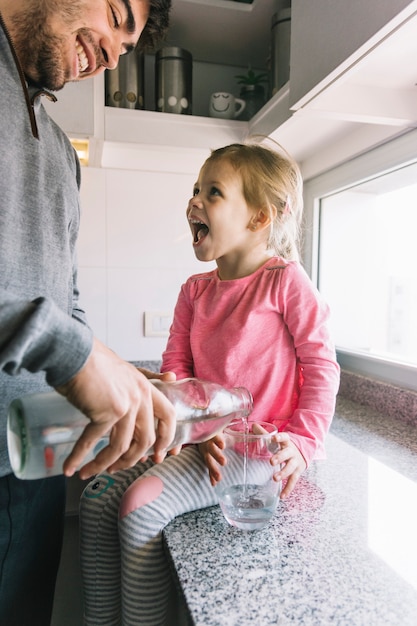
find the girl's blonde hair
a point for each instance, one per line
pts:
(270, 179)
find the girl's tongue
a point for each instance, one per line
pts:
(201, 232)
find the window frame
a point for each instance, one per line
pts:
(383, 159)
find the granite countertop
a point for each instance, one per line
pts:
(342, 550)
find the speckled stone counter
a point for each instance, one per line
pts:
(342, 550)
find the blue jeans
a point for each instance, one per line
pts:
(31, 531)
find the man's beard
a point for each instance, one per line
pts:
(39, 51)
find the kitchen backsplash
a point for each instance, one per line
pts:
(394, 401)
(153, 366)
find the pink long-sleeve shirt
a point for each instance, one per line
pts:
(267, 332)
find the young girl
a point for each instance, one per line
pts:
(256, 321)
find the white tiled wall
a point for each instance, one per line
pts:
(134, 250)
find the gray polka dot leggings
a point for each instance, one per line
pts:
(126, 576)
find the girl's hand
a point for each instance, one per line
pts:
(292, 463)
(167, 377)
(211, 451)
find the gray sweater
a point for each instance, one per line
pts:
(44, 338)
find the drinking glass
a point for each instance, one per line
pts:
(248, 494)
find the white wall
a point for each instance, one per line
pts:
(135, 249)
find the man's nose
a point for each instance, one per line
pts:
(111, 54)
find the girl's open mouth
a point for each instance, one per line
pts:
(199, 230)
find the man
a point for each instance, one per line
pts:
(44, 337)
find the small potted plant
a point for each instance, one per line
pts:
(252, 91)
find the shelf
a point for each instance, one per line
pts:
(193, 131)
(153, 141)
(169, 129)
(233, 5)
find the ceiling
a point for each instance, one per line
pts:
(223, 31)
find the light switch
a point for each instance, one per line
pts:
(157, 323)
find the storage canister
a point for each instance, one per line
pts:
(173, 80)
(125, 84)
(280, 49)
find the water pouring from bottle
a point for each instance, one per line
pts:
(248, 494)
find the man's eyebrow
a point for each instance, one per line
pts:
(131, 24)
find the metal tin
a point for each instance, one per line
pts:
(125, 84)
(173, 80)
(280, 49)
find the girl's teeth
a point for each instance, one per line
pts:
(82, 57)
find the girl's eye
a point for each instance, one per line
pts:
(196, 191)
(214, 191)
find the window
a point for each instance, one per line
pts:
(363, 256)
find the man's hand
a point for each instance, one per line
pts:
(120, 401)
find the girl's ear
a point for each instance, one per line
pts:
(263, 218)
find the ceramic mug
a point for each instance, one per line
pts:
(225, 105)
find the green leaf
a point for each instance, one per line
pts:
(251, 78)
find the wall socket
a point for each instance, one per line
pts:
(157, 323)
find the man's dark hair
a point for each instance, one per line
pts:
(156, 26)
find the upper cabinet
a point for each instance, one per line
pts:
(352, 80)
(327, 33)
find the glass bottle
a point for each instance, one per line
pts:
(43, 428)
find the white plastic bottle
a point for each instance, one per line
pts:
(43, 428)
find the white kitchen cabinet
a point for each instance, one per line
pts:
(325, 33)
(351, 85)
(368, 98)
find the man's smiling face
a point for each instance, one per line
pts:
(58, 42)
